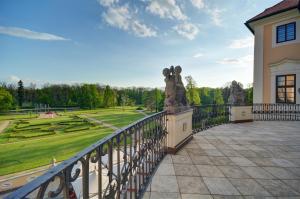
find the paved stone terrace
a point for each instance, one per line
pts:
(249, 160)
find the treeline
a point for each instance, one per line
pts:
(86, 96)
(90, 96)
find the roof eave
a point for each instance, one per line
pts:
(269, 15)
(247, 24)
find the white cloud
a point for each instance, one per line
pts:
(28, 34)
(13, 78)
(242, 43)
(198, 3)
(242, 61)
(107, 2)
(118, 17)
(121, 17)
(198, 55)
(166, 9)
(215, 15)
(187, 30)
(142, 30)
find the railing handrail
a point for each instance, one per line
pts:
(36, 183)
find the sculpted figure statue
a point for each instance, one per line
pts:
(175, 100)
(237, 94)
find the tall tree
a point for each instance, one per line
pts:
(20, 93)
(110, 97)
(192, 93)
(6, 100)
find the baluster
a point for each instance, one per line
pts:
(99, 151)
(124, 174)
(130, 162)
(85, 163)
(118, 167)
(140, 157)
(136, 161)
(144, 152)
(66, 191)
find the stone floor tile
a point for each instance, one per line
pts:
(249, 187)
(255, 148)
(295, 184)
(277, 188)
(248, 153)
(182, 152)
(241, 161)
(257, 172)
(165, 170)
(167, 159)
(221, 161)
(213, 152)
(295, 161)
(191, 185)
(192, 146)
(266, 154)
(233, 172)
(207, 146)
(283, 162)
(164, 184)
(195, 196)
(220, 186)
(209, 171)
(281, 173)
(231, 153)
(200, 139)
(263, 161)
(203, 160)
(181, 159)
(223, 147)
(238, 147)
(185, 170)
(259, 197)
(161, 195)
(227, 197)
(196, 152)
(295, 170)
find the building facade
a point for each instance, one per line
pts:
(277, 53)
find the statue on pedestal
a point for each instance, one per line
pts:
(237, 94)
(176, 100)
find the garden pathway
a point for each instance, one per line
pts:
(142, 112)
(3, 125)
(101, 122)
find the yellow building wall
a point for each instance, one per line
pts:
(273, 55)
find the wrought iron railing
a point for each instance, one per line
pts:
(207, 116)
(118, 166)
(276, 112)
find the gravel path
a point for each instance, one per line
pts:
(142, 112)
(3, 125)
(101, 122)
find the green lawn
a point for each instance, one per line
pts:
(16, 116)
(30, 142)
(119, 118)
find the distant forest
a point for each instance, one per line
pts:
(90, 96)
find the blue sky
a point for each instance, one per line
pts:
(126, 42)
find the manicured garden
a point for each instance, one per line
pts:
(29, 142)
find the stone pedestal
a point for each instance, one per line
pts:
(179, 127)
(241, 114)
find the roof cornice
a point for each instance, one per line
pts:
(247, 23)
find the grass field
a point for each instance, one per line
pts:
(29, 142)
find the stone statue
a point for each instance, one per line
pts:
(175, 100)
(237, 94)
